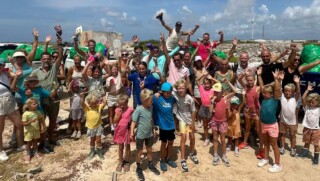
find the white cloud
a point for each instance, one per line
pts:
(203, 19)
(113, 13)
(298, 12)
(186, 9)
(264, 9)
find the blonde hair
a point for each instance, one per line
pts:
(28, 103)
(313, 96)
(179, 82)
(122, 98)
(91, 98)
(290, 86)
(145, 94)
(268, 88)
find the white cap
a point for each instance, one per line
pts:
(198, 58)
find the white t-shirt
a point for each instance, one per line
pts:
(288, 110)
(184, 107)
(5, 80)
(311, 118)
(253, 66)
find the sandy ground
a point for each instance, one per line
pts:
(69, 162)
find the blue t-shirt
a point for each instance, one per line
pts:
(163, 112)
(26, 71)
(39, 93)
(149, 82)
(268, 112)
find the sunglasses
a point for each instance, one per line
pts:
(125, 54)
(54, 56)
(155, 50)
(297, 60)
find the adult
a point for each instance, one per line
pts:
(8, 108)
(205, 44)
(224, 73)
(47, 76)
(174, 33)
(75, 72)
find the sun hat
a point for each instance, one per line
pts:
(18, 54)
(167, 87)
(217, 87)
(235, 100)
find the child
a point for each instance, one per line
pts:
(233, 119)
(311, 132)
(185, 112)
(93, 110)
(142, 118)
(269, 125)
(76, 112)
(288, 121)
(205, 94)
(163, 116)
(251, 111)
(114, 84)
(33, 122)
(218, 121)
(122, 119)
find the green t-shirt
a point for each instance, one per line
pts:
(46, 79)
(143, 119)
(31, 115)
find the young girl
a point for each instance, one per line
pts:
(76, 112)
(219, 121)
(205, 94)
(311, 132)
(93, 111)
(233, 119)
(288, 120)
(251, 111)
(114, 85)
(33, 122)
(185, 112)
(268, 114)
(122, 119)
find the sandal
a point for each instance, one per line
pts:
(119, 168)
(38, 155)
(27, 159)
(126, 166)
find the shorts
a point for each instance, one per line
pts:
(51, 109)
(285, 127)
(167, 135)
(221, 126)
(204, 112)
(311, 136)
(147, 141)
(196, 91)
(7, 105)
(251, 113)
(184, 128)
(95, 131)
(271, 129)
(31, 135)
(112, 101)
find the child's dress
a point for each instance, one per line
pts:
(234, 130)
(76, 112)
(122, 130)
(32, 131)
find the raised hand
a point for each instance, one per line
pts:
(135, 38)
(281, 75)
(18, 73)
(310, 87)
(162, 37)
(35, 32)
(180, 42)
(220, 32)
(48, 38)
(276, 74)
(235, 41)
(296, 79)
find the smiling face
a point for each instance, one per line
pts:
(92, 46)
(123, 105)
(244, 60)
(182, 91)
(46, 60)
(77, 61)
(224, 66)
(288, 92)
(265, 56)
(177, 61)
(31, 84)
(33, 105)
(266, 93)
(142, 70)
(114, 71)
(205, 38)
(250, 81)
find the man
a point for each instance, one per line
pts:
(47, 76)
(174, 34)
(205, 44)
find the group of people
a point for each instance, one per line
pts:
(174, 90)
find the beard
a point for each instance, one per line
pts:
(46, 64)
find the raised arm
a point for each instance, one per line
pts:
(296, 80)
(14, 81)
(165, 51)
(292, 55)
(278, 77)
(192, 31)
(233, 48)
(305, 68)
(85, 69)
(76, 47)
(60, 53)
(160, 17)
(232, 88)
(304, 96)
(260, 81)
(32, 54)
(221, 38)
(48, 39)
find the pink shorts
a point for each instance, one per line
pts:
(221, 126)
(271, 129)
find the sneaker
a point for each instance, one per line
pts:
(215, 160)
(3, 156)
(171, 163)
(225, 161)
(282, 151)
(184, 166)
(153, 168)
(275, 168)
(21, 148)
(228, 148)
(304, 153)
(236, 153)
(263, 162)
(206, 142)
(78, 136)
(293, 152)
(243, 145)
(163, 166)
(260, 154)
(140, 174)
(194, 158)
(159, 16)
(74, 134)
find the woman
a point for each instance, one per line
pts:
(123, 62)
(9, 108)
(224, 73)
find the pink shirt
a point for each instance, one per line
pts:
(121, 131)
(202, 51)
(176, 74)
(220, 111)
(252, 99)
(205, 95)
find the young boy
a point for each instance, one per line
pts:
(185, 112)
(142, 118)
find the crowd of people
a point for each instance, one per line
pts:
(174, 90)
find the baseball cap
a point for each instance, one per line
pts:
(2, 62)
(18, 54)
(167, 87)
(235, 100)
(178, 23)
(217, 87)
(31, 77)
(198, 58)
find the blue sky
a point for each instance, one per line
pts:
(282, 19)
